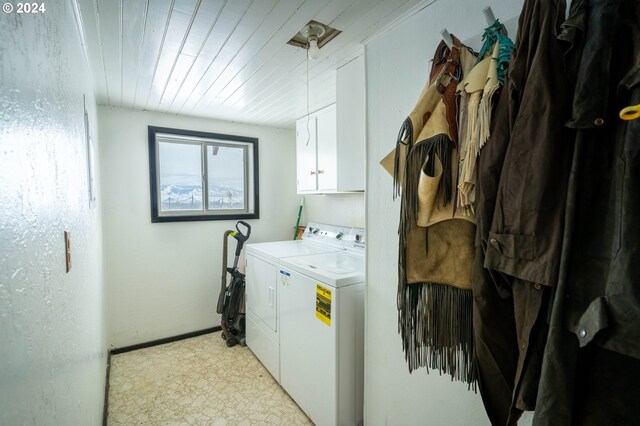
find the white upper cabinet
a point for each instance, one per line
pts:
(306, 154)
(316, 151)
(330, 142)
(327, 160)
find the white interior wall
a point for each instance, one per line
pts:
(397, 64)
(53, 349)
(335, 209)
(163, 279)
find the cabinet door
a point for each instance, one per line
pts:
(306, 153)
(308, 362)
(261, 290)
(327, 140)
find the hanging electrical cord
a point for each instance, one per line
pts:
(308, 131)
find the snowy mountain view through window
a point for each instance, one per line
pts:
(225, 177)
(202, 176)
(180, 176)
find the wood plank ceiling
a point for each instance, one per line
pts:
(224, 59)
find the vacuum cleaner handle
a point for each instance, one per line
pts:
(223, 283)
(240, 237)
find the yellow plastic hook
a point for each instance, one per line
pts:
(630, 112)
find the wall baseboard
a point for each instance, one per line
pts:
(105, 409)
(116, 351)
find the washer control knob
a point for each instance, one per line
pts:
(339, 235)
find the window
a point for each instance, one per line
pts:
(202, 176)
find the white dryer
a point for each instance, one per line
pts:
(262, 299)
(322, 333)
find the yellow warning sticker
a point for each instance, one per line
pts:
(323, 304)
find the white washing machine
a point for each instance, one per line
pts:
(322, 333)
(262, 297)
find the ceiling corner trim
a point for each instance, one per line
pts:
(83, 40)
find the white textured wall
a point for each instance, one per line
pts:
(163, 279)
(397, 63)
(52, 340)
(336, 209)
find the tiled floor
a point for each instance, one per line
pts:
(197, 381)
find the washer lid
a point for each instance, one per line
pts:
(279, 249)
(336, 268)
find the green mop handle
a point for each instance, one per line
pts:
(295, 231)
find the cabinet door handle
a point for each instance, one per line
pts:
(320, 172)
(312, 172)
